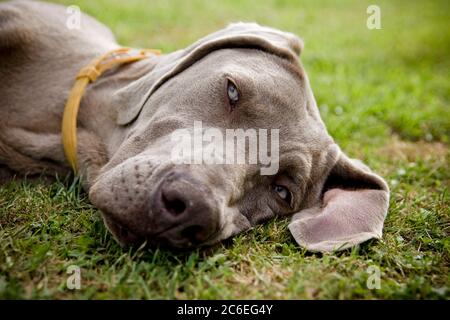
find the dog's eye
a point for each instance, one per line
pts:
(283, 193)
(233, 93)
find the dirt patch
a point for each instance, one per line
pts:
(408, 151)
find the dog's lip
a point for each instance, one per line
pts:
(123, 234)
(126, 237)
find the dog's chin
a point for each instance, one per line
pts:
(128, 239)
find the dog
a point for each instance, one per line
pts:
(245, 76)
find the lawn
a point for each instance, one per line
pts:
(384, 96)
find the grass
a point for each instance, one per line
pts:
(384, 96)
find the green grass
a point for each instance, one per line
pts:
(384, 95)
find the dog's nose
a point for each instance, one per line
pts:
(186, 209)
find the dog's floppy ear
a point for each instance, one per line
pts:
(352, 206)
(132, 98)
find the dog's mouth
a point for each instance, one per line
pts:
(127, 238)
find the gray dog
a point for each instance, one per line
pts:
(244, 76)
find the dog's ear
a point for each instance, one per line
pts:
(132, 98)
(352, 206)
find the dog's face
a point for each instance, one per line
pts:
(146, 195)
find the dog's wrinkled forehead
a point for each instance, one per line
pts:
(238, 35)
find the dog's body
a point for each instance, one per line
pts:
(38, 55)
(127, 116)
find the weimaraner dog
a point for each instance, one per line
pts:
(242, 77)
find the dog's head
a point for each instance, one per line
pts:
(178, 178)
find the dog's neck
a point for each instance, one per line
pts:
(98, 132)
